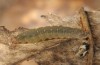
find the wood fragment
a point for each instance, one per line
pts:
(86, 27)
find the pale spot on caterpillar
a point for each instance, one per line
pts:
(44, 30)
(51, 29)
(37, 31)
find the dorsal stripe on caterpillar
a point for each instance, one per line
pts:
(50, 32)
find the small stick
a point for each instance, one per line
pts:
(86, 27)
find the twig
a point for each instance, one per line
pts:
(86, 27)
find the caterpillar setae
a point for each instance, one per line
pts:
(50, 32)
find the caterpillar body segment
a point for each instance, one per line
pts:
(50, 32)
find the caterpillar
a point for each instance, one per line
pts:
(50, 32)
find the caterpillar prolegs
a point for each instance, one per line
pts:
(50, 32)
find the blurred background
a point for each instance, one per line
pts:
(27, 13)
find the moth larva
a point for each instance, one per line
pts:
(50, 32)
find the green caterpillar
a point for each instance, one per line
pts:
(50, 32)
